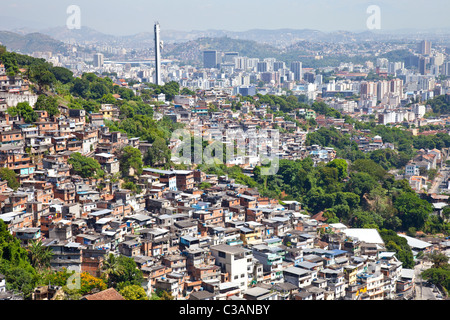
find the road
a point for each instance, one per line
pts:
(436, 185)
(442, 174)
(423, 292)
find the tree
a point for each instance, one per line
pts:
(134, 292)
(47, 103)
(14, 263)
(84, 166)
(361, 183)
(10, 176)
(61, 74)
(111, 268)
(328, 178)
(158, 153)
(21, 280)
(187, 92)
(98, 90)
(130, 185)
(25, 111)
(122, 271)
(412, 210)
(80, 87)
(438, 276)
(204, 185)
(341, 166)
(368, 166)
(40, 255)
(164, 294)
(130, 158)
(42, 76)
(88, 284)
(438, 259)
(399, 245)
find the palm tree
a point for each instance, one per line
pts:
(111, 267)
(39, 254)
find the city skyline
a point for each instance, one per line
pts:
(139, 16)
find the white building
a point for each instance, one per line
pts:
(236, 261)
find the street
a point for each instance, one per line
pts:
(422, 291)
(442, 175)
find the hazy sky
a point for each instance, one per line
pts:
(129, 17)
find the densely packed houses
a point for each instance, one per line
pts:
(224, 241)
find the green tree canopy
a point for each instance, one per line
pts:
(134, 292)
(47, 103)
(412, 210)
(25, 111)
(10, 176)
(86, 167)
(158, 154)
(130, 158)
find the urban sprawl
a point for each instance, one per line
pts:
(91, 173)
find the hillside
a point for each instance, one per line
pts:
(192, 50)
(29, 43)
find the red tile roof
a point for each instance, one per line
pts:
(108, 294)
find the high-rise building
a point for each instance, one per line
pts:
(240, 63)
(383, 88)
(424, 47)
(297, 69)
(393, 67)
(98, 60)
(396, 87)
(210, 59)
(252, 63)
(270, 62)
(262, 66)
(447, 68)
(158, 45)
(423, 61)
(382, 63)
(368, 89)
(229, 57)
(277, 65)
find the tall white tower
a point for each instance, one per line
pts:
(158, 46)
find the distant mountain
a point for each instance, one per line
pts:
(280, 38)
(191, 51)
(84, 34)
(15, 24)
(30, 42)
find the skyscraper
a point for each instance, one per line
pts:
(277, 65)
(424, 47)
(262, 66)
(423, 61)
(296, 68)
(98, 60)
(210, 59)
(447, 68)
(158, 45)
(230, 56)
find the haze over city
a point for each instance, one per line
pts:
(130, 17)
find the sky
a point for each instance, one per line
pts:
(128, 17)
